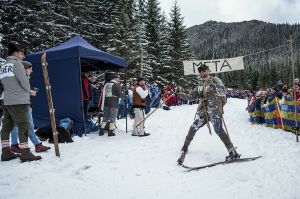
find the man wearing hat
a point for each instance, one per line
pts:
(140, 93)
(212, 94)
(15, 104)
(112, 91)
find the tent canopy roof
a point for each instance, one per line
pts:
(88, 54)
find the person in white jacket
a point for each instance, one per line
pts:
(140, 93)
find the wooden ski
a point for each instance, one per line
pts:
(50, 103)
(220, 163)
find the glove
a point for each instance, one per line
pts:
(202, 102)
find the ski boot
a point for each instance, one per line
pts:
(185, 147)
(233, 155)
(182, 157)
(111, 133)
(101, 132)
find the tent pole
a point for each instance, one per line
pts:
(126, 92)
(82, 106)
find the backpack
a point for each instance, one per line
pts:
(90, 126)
(45, 133)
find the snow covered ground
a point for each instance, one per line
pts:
(126, 167)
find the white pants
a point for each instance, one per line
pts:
(139, 116)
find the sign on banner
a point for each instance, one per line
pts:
(216, 65)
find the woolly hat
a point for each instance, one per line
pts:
(14, 46)
(202, 68)
(26, 64)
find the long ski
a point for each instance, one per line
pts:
(220, 163)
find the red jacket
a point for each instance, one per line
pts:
(86, 89)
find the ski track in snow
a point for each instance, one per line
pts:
(126, 167)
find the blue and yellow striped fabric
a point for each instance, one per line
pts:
(288, 114)
(256, 115)
(275, 116)
(272, 116)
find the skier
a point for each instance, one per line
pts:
(212, 94)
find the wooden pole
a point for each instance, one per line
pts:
(294, 86)
(50, 103)
(154, 110)
(206, 117)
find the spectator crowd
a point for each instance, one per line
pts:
(275, 106)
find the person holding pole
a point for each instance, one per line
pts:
(212, 96)
(140, 93)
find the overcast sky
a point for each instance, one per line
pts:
(199, 11)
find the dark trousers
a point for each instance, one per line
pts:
(15, 115)
(86, 106)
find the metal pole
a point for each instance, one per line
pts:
(126, 92)
(293, 74)
(82, 103)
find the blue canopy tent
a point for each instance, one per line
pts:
(64, 68)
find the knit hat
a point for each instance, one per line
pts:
(14, 46)
(26, 64)
(202, 68)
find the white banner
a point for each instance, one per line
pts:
(216, 65)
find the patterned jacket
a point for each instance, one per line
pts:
(212, 94)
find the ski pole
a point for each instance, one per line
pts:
(154, 110)
(225, 126)
(222, 111)
(156, 96)
(206, 115)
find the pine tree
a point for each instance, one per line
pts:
(160, 73)
(179, 47)
(1, 46)
(134, 37)
(153, 14)
(141, 15)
